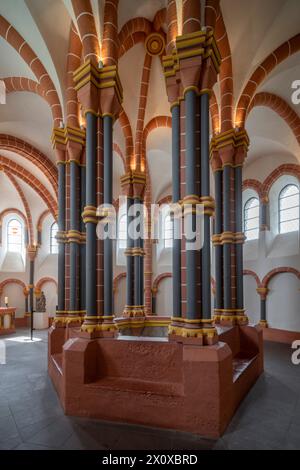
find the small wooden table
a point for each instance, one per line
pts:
(7, 321)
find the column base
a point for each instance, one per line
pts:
(134, 311)
(263, 324)
(231, 317)
(201, 332)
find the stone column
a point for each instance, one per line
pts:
(263, 215)
(229, 151)
(193, 67)
(154, 295)
(108, 199)
(263, 293)
(32, 252)
(133, 184)
(61, 237)
(176, 248)
(83, 241)
(218, 229)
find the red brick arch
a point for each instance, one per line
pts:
(160, 278)
(248, 272)
(41, 219)
(87, 29)
(226, 77)
(127, 132)
(43, 281)
(117, 279)
(134, 31)
(110, 43)
(73, 62)
(286, 169)
(266, 280)
(5, 283)
(160, 19)
(214, 113)
(17, 170)
(191, 16)
(256, 185)
(25, 204)
(139, 154)
(211, 12)
(117, 149)
(155, 123)
(11, 35)
(284, 51)
(172, 26)
(22, 148)
(11, 210)
(165, 200)
(281, 107)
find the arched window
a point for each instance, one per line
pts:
(53, 241)
(122, 232)
(289, 209)
(14, 236)
(251, 219)
(168, 231)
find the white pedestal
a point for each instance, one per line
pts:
(40, 320)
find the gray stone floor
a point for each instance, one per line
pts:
(31, 416)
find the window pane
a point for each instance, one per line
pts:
(289, 214)
(251, 219)
(292, 226)
(252, 224)
(290, 201)
(14, 236)
(168, 232)
(122, 232)
(252, 234)
(289, 209)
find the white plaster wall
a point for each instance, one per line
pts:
(164, 298)
(16, 298)
(252, 300)
(283, 303)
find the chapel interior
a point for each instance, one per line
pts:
(112, 110)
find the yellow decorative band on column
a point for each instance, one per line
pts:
(134, 311)
(89, 215)
(134, 252)
(209, 205)
(228, 238)
(240, 238)
(68, 134)
(61, 237)
(201, 329)
(233, 316)
(74, 236)
(263, 292)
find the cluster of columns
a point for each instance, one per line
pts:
(133, 185)
(228, 153)
(69, 144)
(100, 94)
(191, 71)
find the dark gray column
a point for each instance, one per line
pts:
(31, 283)
(138, 274)
(153, 299)
(74, 248)
(205, 192)
(191, 258)
(83, 245)
(227, 246)
(129, 259)
(108, 199)
(91, 153)
(218, 248)
(26, 304)
(176, 249)
(239, 228)
(263, 310)
(61, 228)
(263, 215)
